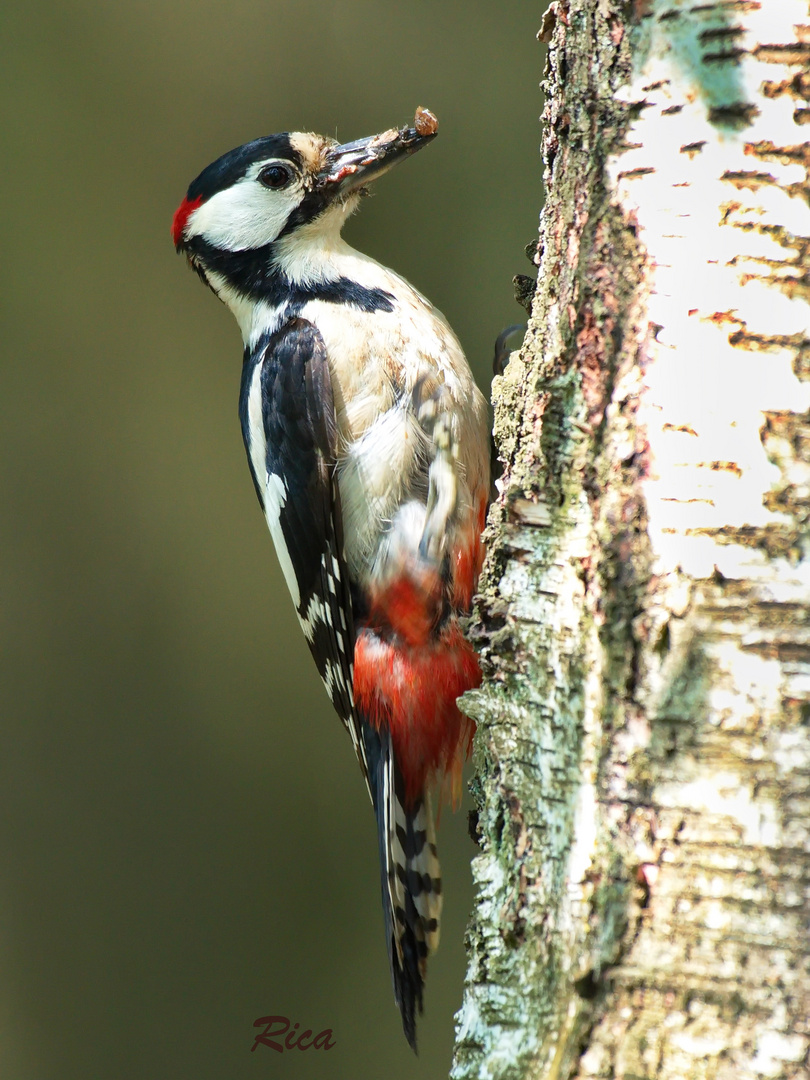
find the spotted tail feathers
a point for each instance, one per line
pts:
(410, 876)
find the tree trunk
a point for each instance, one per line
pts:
(643, 746)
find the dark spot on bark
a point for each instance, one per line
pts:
(796, 87)
(636, 108)
(635, 174)
(588, 986)
(794, 53)
(738, 115)
(474, 827)
(723, 33)
(644, 891)
(693, 148)
(748, 178)
(662, 646)
(524, 287)
(498, 824)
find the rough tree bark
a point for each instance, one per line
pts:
(643, 749)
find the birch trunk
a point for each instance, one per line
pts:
(643, 748)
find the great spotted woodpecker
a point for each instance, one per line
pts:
(368, 443)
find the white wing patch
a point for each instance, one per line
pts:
(275, 496)
(275, 493)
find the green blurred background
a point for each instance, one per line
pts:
(186, 844)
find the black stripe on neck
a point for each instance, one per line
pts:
(252, 274)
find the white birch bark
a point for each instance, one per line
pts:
(643, 755)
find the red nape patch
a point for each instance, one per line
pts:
(413, 692)
(181, 216)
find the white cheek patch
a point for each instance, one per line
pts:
(244, 216)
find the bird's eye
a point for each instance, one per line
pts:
(275, 177)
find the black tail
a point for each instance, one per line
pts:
(409, 874)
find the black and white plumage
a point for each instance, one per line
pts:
(289, 426)
(368, 446)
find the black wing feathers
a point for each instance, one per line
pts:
(292, 451)
(300, 429)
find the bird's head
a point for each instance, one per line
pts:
(239, 212)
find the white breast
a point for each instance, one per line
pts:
(376, 360)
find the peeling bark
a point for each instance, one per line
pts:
(643, 745)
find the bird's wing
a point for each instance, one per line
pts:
(292, 386)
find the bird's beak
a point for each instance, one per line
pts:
(352, 165)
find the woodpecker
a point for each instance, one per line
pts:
(368, 444)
